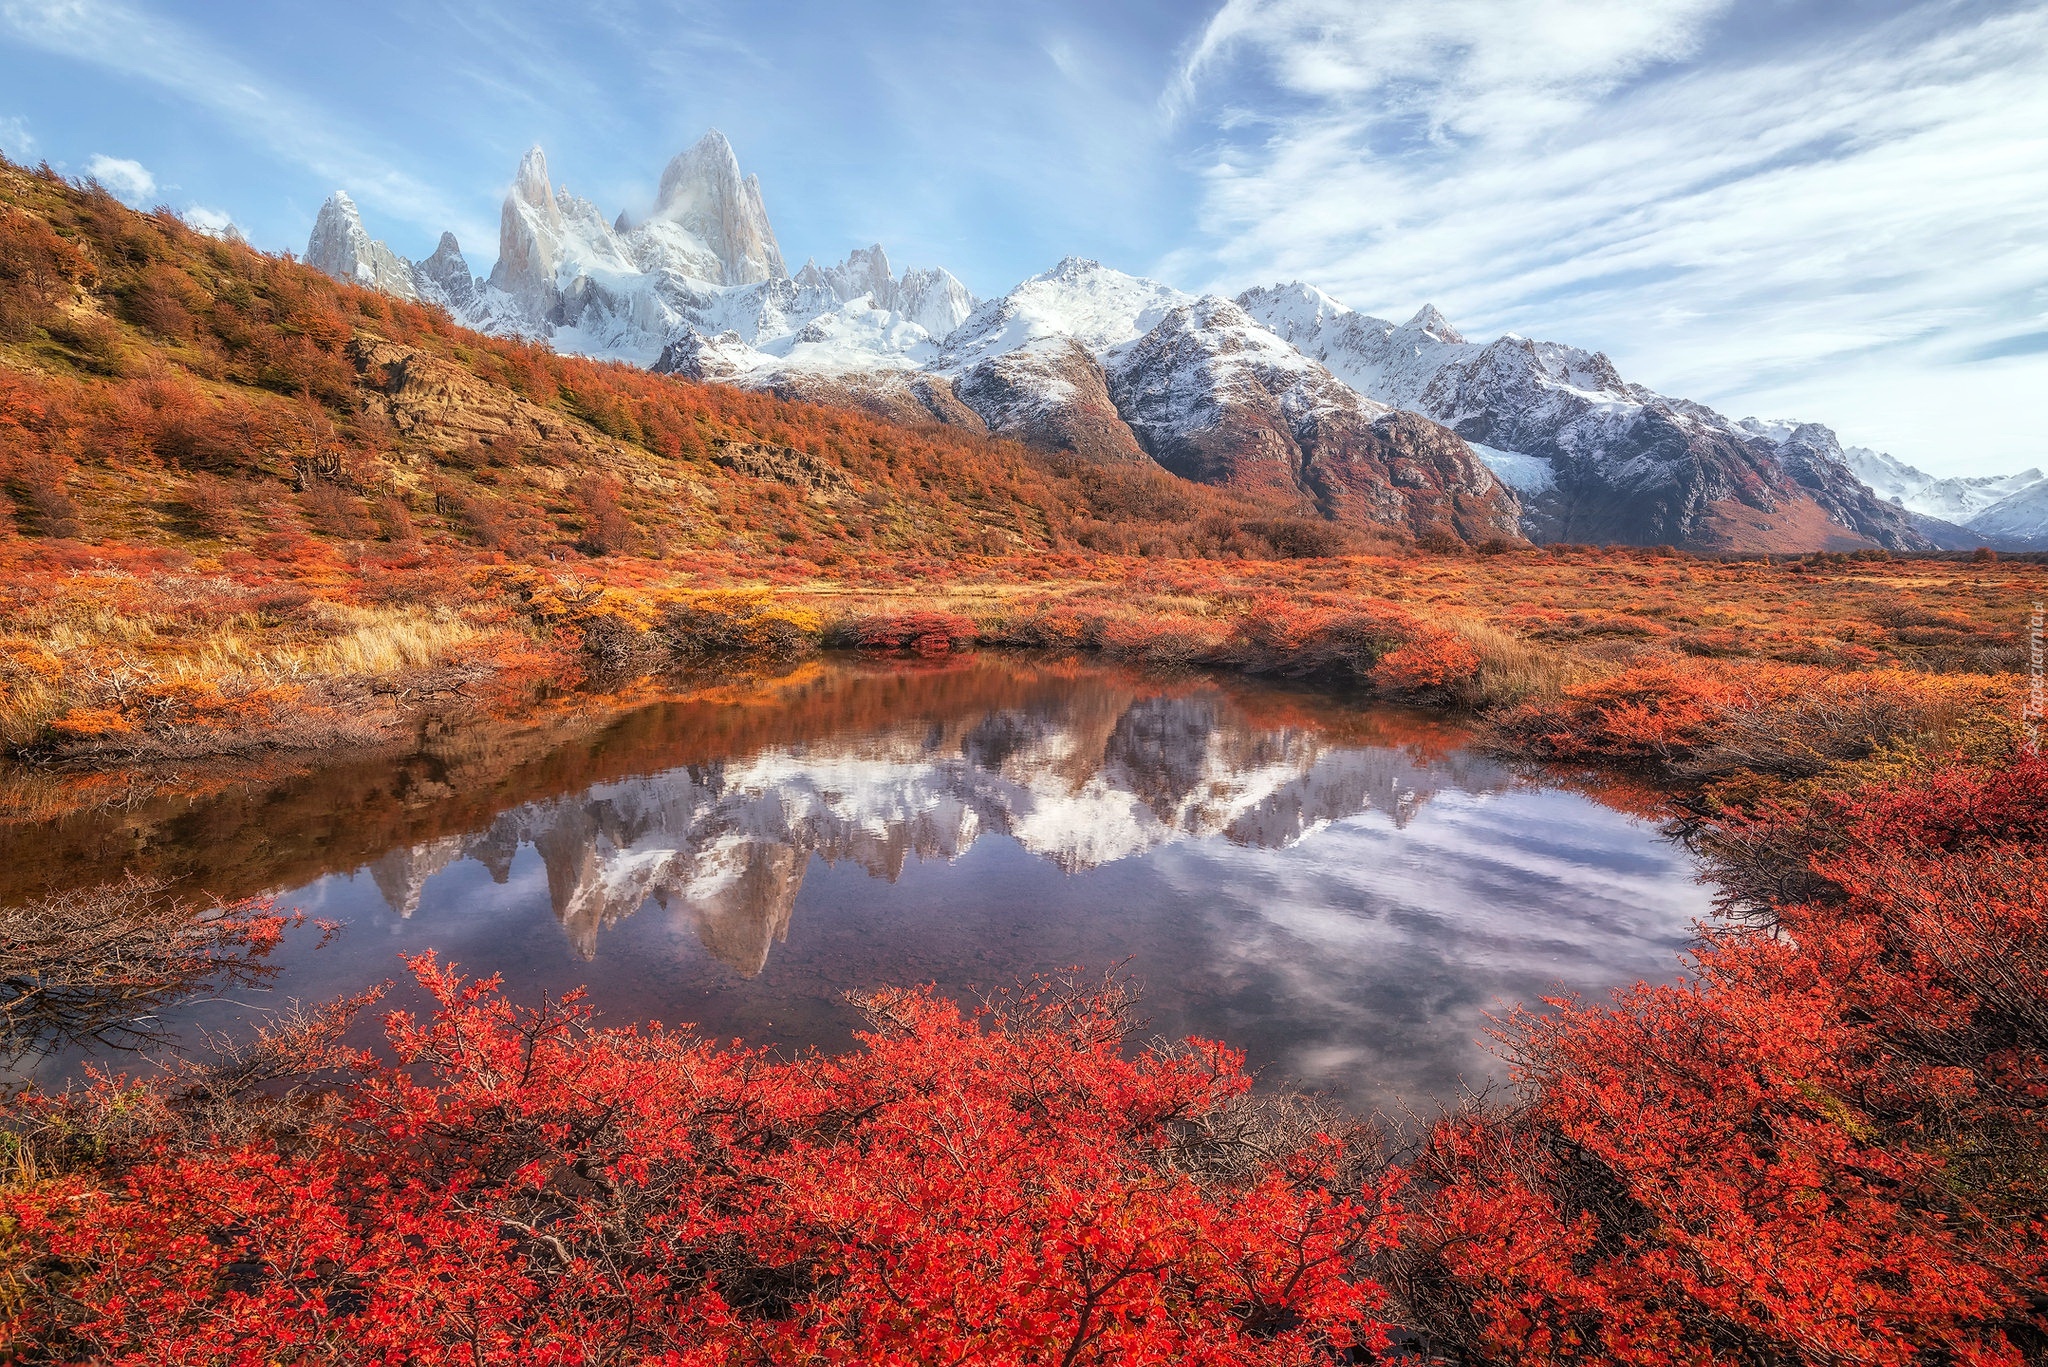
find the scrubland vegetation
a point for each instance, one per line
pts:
(252, 512)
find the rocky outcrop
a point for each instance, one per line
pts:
(445, 406)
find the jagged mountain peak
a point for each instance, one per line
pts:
(530, 182)
(342, 247)
(1428, 319)
(1079, 301)
(1056, 361)
(444, 277)
(1072, 268)
(703, 192)
(1293, 306)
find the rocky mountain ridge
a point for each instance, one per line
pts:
(1409, 426)
(1593, 456)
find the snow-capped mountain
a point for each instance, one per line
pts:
(702, 265)
(341, 247)
(1215, 397)
(1283, 391)
(2019, 521)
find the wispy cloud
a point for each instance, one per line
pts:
(15, 139)
(135, 43)
(1734, 226)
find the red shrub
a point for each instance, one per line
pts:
(1436, 659)
(528, 1188)
(1826, 1149)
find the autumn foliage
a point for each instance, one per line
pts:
(225, 533)
(1826, 1148)
(523, 1185)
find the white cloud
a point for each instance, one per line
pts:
(212, 222)
(130, 181)
(1809, 227)
(15, 139)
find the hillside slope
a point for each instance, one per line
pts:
(162, 386)
(237, 491)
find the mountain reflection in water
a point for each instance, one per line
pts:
(1342, 891)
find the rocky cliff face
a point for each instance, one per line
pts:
(703, 193)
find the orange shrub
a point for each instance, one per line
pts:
(1434, 660)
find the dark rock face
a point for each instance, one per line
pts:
(1636, 468)
(1056, 399)
(1421, 470)
(1812, 457)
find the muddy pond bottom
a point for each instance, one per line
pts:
(1345, 892)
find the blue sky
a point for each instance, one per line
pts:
(1827, 209)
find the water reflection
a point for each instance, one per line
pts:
(1343, 892)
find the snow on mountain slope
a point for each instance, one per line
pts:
(1215, 397)
(1392, 363)
(1029, 364)
(1526, 475)
(1957, 499)
(1078, 300)
(2018, 521)
(1204, 357)
(1286, 389)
